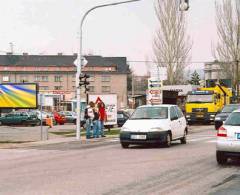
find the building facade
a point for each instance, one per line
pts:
(108, 75)
(55, 75)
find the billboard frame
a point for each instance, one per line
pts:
(36, 95)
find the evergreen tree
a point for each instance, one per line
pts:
(195, 78)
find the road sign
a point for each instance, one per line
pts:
(154, 91)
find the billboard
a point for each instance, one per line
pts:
(18, 95)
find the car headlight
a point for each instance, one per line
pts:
(217, 118)
(125, 129)
(156, 129)
(212, 115)
(187, 116)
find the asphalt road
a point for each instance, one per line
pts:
(109, 169)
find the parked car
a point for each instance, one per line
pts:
(59, 118)
(71, 117)
(222, 116)
(154, 124)
(44, 116)
(20, 118)
(228, 138)
(122, 117)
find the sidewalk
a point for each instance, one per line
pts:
(60, 139)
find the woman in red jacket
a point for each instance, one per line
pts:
(102, 117)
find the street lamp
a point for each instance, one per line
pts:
(80, 62)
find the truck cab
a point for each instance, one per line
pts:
(203, 104)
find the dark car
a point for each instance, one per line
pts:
(20, 118)
(122, 117)
(222, 116)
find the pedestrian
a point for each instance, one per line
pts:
(102, 117)
(89, 116)
(95, 122)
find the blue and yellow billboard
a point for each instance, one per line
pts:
(18, 95)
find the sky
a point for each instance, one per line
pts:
(49, 27)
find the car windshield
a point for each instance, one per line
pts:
(233, 119)
(230, 108)
(200, 98)
(150, 113)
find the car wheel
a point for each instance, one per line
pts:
(221, 158)
(184, 138)
(38, 123)
(168, 140)
(124, 145)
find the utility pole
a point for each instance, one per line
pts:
(80, 60)
(133, 101)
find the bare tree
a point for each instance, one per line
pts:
(227, 50)
(171, 44)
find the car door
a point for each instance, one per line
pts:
(182, 121)
(6, 119)
(174, 123)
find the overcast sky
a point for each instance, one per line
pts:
(52, 26)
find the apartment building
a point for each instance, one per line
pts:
(55, 75)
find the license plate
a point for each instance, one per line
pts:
(199, 115)
(238, 135)
(142, 137)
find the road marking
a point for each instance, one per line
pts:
(201, 139)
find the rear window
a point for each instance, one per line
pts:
(233, 119)
(150, 113)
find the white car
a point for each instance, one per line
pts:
(228, 138)
(155, 125)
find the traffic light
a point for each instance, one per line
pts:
(183, 5)
(83, 81)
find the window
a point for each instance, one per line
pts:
(37, 78)
(91, 88)
(106, 78)
(179, 112)
(58, 78)
(44, 88)
(5, 79)
(44, 78)
(173, 113)
(58, 87)
(106, 89)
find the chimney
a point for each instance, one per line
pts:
(25, 54)
(9, 53)
(60, 54)
(75, 54)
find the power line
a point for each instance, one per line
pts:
(190, 62)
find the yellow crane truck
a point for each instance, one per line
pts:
(204, 103)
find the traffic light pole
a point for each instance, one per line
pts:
(79, 64)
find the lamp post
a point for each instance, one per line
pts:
(80, 62)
